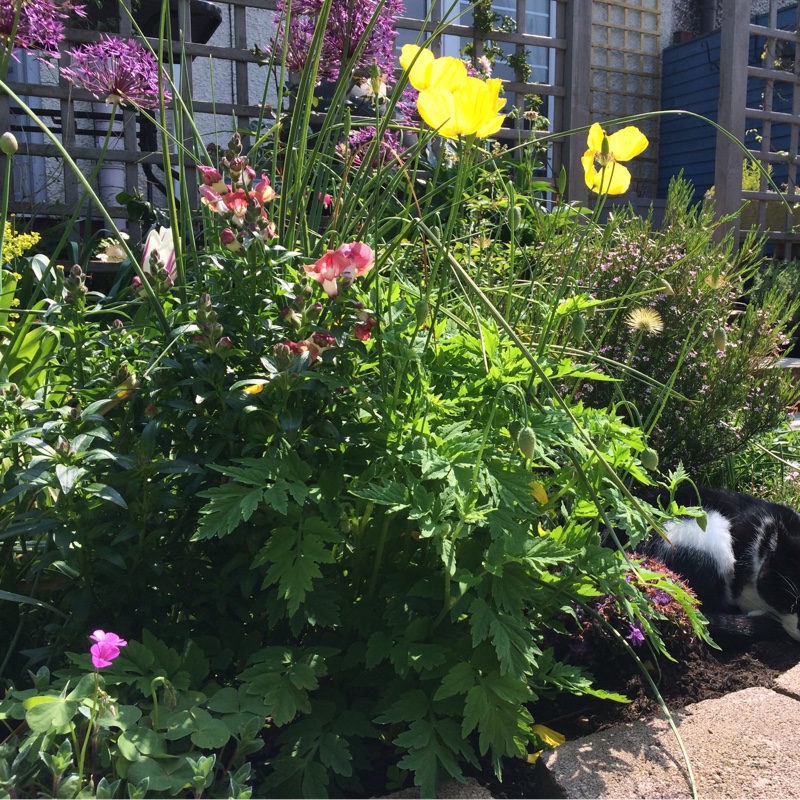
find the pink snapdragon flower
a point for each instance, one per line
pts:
(105, 649)
(338, 268)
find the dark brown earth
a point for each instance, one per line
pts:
(700, 674)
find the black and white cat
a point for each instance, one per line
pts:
(747, 559)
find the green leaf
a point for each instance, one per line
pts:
(140, 742)
(510, 636)
(296, 556)
(165, 774)
(47, 713)
(230, 505)
(431, 754)
(68, 476)
(393, 495)
(459, 680)
(334, 753)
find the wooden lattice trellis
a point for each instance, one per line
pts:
(760, 105)
(626, 72)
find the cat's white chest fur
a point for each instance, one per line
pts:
(714, 542)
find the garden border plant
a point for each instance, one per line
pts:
(332, 499)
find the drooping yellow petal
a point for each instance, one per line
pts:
(418, 62)
(538, 493)
(627, 143)
(437, 108)
(532, 757)
(447, 73)
(548, 735)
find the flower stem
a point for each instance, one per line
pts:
(89, 730)
(4, 211)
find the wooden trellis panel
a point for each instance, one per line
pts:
(760, 106)
(626, 74)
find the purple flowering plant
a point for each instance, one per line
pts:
(35, 26)
(119, 71)
(364, 30)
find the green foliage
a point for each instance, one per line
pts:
(708, 402)
(336, 513)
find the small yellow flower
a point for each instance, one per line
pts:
(253, 388)
(607, 151)
(549, 737)
(15, 244)
(644, 319)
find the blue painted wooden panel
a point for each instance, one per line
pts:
(690, 81)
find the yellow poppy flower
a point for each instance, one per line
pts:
(468, 111)
(425, 71)
(612, 177)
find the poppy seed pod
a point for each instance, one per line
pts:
(8, 143)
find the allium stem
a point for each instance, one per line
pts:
(92, 178)
(4, 210)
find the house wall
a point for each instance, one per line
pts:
(691, 82)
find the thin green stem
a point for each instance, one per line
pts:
(89, 729)
(4, 211)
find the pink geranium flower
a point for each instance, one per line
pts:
(105, 649)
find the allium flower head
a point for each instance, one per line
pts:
(347, 24)
(118, 71)
(40, 26)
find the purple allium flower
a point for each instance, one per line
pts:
(636, 635)
(40, 26)
(117, 71)
(358, 145)
(346, 26)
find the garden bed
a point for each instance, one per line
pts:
(703, 674)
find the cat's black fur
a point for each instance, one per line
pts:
(747, 560)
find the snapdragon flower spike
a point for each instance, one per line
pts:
(337, 269)
(117, 71)
(40, 26)
(159, 243)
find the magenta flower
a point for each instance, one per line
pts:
(106, 648)
(117, 71)
(40, 26)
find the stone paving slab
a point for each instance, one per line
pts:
(743, 745)
(789, 682)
